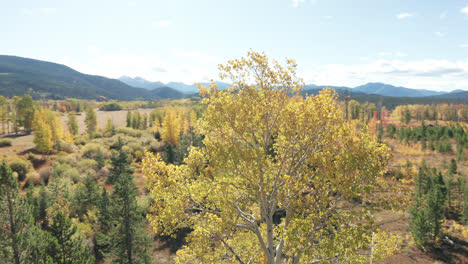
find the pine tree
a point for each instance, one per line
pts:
(434, 210)
(67, 247)
(453, 167)
(120, 164)
(129, 242)
(109, 125)
(72, 123)
(129, 118)
(144, 122)
(419, 226)
(14, 218)
(101, 162)
(465, 208)
(90, 121)
(103, 239)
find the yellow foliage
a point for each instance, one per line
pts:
(267, 153)
(171, 128)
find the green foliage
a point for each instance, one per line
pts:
(90, 121)
(428, 209)
(72, 123)
(5, 142)
(129, 241)
(67, 246)
(111, 107)
(21, 166)
(120, 164)
(452, 167)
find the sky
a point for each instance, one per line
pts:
(413, 43)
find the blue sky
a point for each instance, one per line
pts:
(413, 43)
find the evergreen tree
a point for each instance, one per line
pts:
(465, 207)
(72, 123)
(129, 241)
(419, 226)
(90, 121)
(101, 162)
(42, 203)
(120, 164)
(67, 247)
(434, 210)
(129, 118)
(15, 216)
(103, 238)
(109, 125)
(453, 167)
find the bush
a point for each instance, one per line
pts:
(45, 174)
(111, 107)
(156, 147)
(98, 134)
(70, 160)
(128, 131)
(32, 177)
(67, 147)
(72, 174)
(91, 150)
(22, 167)
(87, 164)
(5, 142)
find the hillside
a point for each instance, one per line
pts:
(141, 83)
(19, 75)
(390, 90)
(167, 93)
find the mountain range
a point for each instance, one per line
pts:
(41, 78)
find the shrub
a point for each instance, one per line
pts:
(81, 140)
(111, 107)
(71, 160)
(32, 177)
(128, 131)
(67, 147)
(45, 174)
(5, 142)
(98, 134)
(91, 150)
(22, 167)
(86, 164)
(72, 174)
(156, 147)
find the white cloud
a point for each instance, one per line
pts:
(328, 17)
(297, 2)
(465, 10)
(364, 58)
(162, 23)
(404, 15)
(385, 54)
(465, 45)
(94, 49)
(148, 66)
(422, 74)
(400, 54)
(439, 34)
(197, 55)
